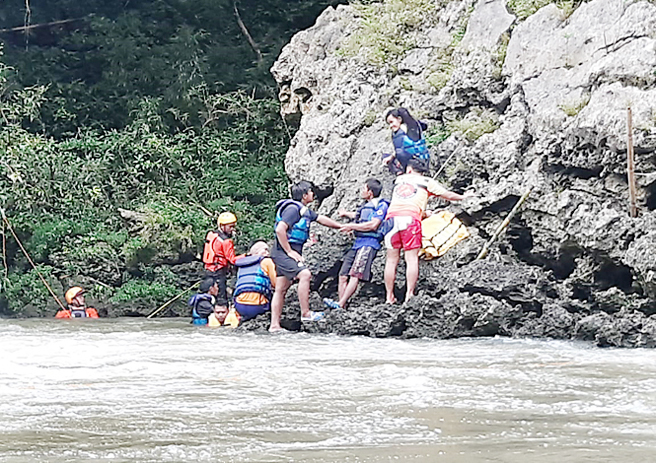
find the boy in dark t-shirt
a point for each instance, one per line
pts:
(292, 230)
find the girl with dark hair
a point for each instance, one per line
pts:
(408, 139)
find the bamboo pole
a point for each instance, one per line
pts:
(630, 165)
(29, 27)
(4, 218)
(170, 301)
(504, 224)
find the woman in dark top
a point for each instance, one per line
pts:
(408, 139)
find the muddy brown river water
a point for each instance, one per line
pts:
(128, 390)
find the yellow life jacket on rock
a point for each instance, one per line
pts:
(440, 232)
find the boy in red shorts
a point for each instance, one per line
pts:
(409, 200)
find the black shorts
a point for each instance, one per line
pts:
(286, 266)
(357, 263)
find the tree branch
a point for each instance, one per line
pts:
(250, 40)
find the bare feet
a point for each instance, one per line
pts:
(277, 330)
(391, 300)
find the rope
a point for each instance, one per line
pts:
(4, 218)
(445, 163)
(4, 256)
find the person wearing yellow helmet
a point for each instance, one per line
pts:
(77, 307)
(219, 251)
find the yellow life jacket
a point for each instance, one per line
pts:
(440, 232)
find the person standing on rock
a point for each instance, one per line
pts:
(409, 141)
(408, 206)
(368, 236)
(219, 252)
(292, 230)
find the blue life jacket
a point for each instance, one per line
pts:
(413, 149)
(364, 214)
(78, 313)
(251, 278)
(193, 302)
(299, 233)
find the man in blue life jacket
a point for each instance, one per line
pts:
(202, 304)
(292, 230)
(369, 233)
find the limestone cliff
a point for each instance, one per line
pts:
(524, 99)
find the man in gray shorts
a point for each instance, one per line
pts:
(369, 233)
(292, 230)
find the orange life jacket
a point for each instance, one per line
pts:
(209, 256)
(90, 312)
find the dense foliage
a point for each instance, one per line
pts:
(126, 131)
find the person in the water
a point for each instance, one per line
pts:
(202, 304)
(77, 307)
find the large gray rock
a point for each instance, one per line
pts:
(550, 116)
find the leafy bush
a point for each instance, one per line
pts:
(26, 289)
(151, 291)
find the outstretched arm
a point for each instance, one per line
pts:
(453, 196)
(361, 227)
(328, 222)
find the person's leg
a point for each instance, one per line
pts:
(391, 262)
(411, 272)
(347, 263)
(222, 280)
(341, 287)
(360, 271)
(282, 285)
(349, 291)
(411, 239)
(304, 279)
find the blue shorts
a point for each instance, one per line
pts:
(251, 311)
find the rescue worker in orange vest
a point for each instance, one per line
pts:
(76, 305)
(219, 252)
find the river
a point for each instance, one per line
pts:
(135, 390)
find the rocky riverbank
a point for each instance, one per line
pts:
(525, 100)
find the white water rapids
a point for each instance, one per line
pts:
(131, 390)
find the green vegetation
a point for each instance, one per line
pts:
(436, 135)
(139, 289)
(386, 29)
(17, 284)
(370, 117)
(525, 8)
(126, 130)
(474, 125)
(438, 80)
(572, 109)
(499, 54)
